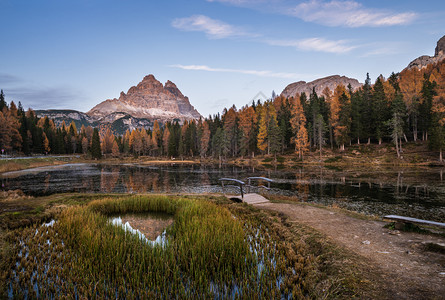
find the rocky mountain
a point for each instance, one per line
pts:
(150, 100)
(117, 122)
(424, 60)
(330, 82)
(67, 115)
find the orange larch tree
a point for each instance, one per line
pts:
(298, 122)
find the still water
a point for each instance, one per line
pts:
(416, 193)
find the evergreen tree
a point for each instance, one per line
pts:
(3, 103)
(343, 123)
(274, 135)
(205, 139)
(357, 130)
(262, 130)
(96, 152)
(381, 109)
(367, 112)
(425, 108)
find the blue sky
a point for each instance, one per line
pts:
(75, 54)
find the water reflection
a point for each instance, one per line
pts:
(411, 192)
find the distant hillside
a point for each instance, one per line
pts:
(425, 60)
(67, 115)
(118, 122)
(319, 85)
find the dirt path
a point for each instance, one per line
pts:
(404, 269)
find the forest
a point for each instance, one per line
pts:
(407, 106)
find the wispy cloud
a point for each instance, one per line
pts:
(315, 44)
(218, 30)
(349, 14)
(242, 2)
(8, 79)
(43, 97)
(213, 28)
(261, 73)
(36, 96)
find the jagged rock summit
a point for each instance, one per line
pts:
(424, 60)
(331, 82)
(149, 99)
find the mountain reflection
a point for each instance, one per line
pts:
(412, 192)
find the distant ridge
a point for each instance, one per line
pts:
(425, 60)
(319, 85)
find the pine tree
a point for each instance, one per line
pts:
(85, 145)
(3, 103)
(262, 131)
(437, 136)
(156, 137)
(107, 141)
(115, 150)
(298, 123)
(428, 92)
(274, 135)
(230, 121)
(136, 144)
(380, 109)
(46, 144)
(341, 116)
(96, 151)
(366, 112)
(205, 139)
(357, 131)
(165, 140)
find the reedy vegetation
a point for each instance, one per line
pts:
(210, 253)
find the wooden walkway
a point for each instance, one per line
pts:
(251, 198)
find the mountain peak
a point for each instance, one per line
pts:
(440, 48)
(425, 60)
(151, 100)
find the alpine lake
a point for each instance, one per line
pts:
(412, 192)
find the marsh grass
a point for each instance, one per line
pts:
(20, 164)
(310, 265)
(210, 253)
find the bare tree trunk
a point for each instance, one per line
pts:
(440, 155)
(320, 136)
(369, 141)
(400, 145)
(406, 139)
(397, 147)
(415, 129)
(358, 141)
(331, 137)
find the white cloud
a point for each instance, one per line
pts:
(348, 13)
(240, 71)
(241, 2)
(315, 44)
(219, 30)
(213, 28)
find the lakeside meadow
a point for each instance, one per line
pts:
(214, 249)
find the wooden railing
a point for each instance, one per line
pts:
(258, 179)
(240, 184)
